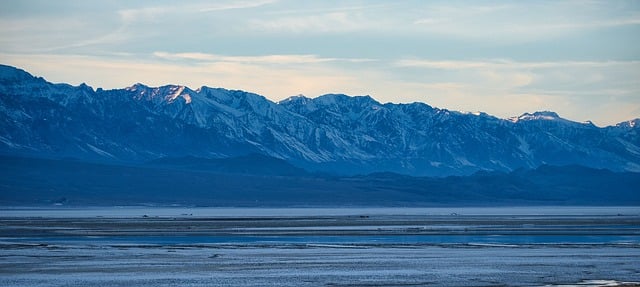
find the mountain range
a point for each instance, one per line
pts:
(171, 145)
(332, 133)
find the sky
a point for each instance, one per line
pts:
(580, 59)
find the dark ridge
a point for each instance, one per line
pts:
(41, 182)
(252, 164)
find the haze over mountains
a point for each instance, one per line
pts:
(140, 145)
(331, 133)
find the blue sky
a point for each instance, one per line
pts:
(578, 58)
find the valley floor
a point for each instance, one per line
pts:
(314, 265)
(339, 249)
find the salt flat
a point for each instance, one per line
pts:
(313, 265)
(336, 249)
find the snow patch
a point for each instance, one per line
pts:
(463, 161)
(435, 163)
(176, 91)
(187, 98)
(500, 164)
(630, 147)
(524, 146)
(545, 115)
(99, 151)
(295, 98)
(9, 143)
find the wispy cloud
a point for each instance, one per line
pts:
(521, 23)
(127, 18)
(316, 17)
(333, 22)
(265, 59)
(507, 64)
(234, 5)
(147, 13)
(508, 76)
(331, 9)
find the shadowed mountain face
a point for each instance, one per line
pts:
(331, 133)
(234, 182)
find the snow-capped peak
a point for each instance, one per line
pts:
(635, 123)
(136, 87)
(300, 98)
(541, 115)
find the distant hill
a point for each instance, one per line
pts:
(41, 182)
(251, 164)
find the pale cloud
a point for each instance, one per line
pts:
(153, 13)
(521, 23)
(503, 22)
(323, 19)
(333, 22)
(507, 64)
(119, 35)
(508, 76)
(330, 9)
(265, 59)
(123, 30)
(143, 14)
(210, 7)
(30, 35)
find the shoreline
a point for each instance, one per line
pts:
(351, 228)
(184, 211)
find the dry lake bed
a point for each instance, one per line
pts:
(542, 246)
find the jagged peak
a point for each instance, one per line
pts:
(201, 89)
(238, 100)
(299, 98)
(6, 69)
(635, 123)
(84, 86)
(334, 99)
(231, 93)
(476, 113)
(539, 115)
(548, 114)
(137, 86)
(10, 72)
(413, 105)
(330, 98)
(175, 92)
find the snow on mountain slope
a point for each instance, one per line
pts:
(334, 132)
